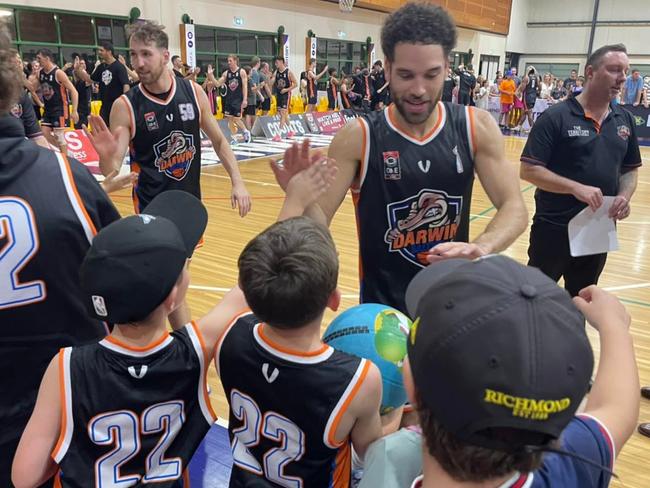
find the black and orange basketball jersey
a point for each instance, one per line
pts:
(410, 195)
(165, 140)
(332, 97)
(132, 416)
(235, 92)
(50, 210)
(285, 408)
(311, 85)
(55, 97)
(282, 81)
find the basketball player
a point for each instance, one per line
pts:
(23, 109)
(55, 83)
(312, 79)
(111, 76)
(236, 99)
(283, 82)
(83, 84)
(380, 86)
(50, 209)
(332, 89)
(153, 392)
(411, 167)
(162, 118)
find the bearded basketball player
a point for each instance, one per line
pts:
(162, 119)
(411, 166)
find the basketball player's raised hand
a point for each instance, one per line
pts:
(306, 186)
(296, 159)
(455, 250)
(102, 139)
(240, 198)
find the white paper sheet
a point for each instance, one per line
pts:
(593, 232)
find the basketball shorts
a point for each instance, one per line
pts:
(505, 107)
(232, 108)
(266, 104)
(530, 103)
(283, 101)
(55, 120)
(312, 101)
(251, 110)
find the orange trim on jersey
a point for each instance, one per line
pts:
(196, 99)
(131, 114)
(64, 101)
(64, 419)
(393, 121)
(146, 348)
(62, 122)
(153, 98)
(232, 322)
(73, 185)
(331, 438)
(206, 365)
(57, 480)
(286, 350)
(342, 467)
(472, 130)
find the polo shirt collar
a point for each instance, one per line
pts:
(577, 109)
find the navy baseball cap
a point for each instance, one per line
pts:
(497, 345)
(133, 263)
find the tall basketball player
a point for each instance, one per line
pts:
(283, 82)
(312, 79)
(332, 89)
(56, 86)
(265, 77)
(162, 118)
(411, 167)
(50, 209)
(236, 100)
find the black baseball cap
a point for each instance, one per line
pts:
(133, 263)
(497, 345)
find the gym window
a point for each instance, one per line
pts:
(342, 55)
(213, 45)
(559, 70)
(64, 33)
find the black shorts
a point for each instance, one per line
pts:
(56, 121)
(251, 110)
(83, 120)
(232, 108)
(530, 103)
(266, 104)
(312, 101)
(283, 101)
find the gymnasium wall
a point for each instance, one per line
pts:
(569, 44)
(297, 17)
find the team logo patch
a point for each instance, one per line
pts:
(174, 154)
(418, 223)
(17, 110)
(233, 84)
(623, 132)
(150, 120)
(392, 168)
(107, 77)
(47, 90)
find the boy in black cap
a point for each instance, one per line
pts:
(498, 378)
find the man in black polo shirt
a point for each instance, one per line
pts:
(578, 151)
(112, 78)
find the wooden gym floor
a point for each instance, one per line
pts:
(214, 267)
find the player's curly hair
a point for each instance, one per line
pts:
(10, 76)
(148, 32)
(288, 272)
(418, 23)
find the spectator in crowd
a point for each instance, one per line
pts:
(111, 76)
(467, 82)
(577, 88)
(448, 86)
(632, 89)
(559, 93)
(518, 112)
(570, 82)
(546, 87)
(481, 93)
(515, 78)
(507, 89)
(494, 87)
(646, 92)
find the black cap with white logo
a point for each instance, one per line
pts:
(133, 264)
(496, 344)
